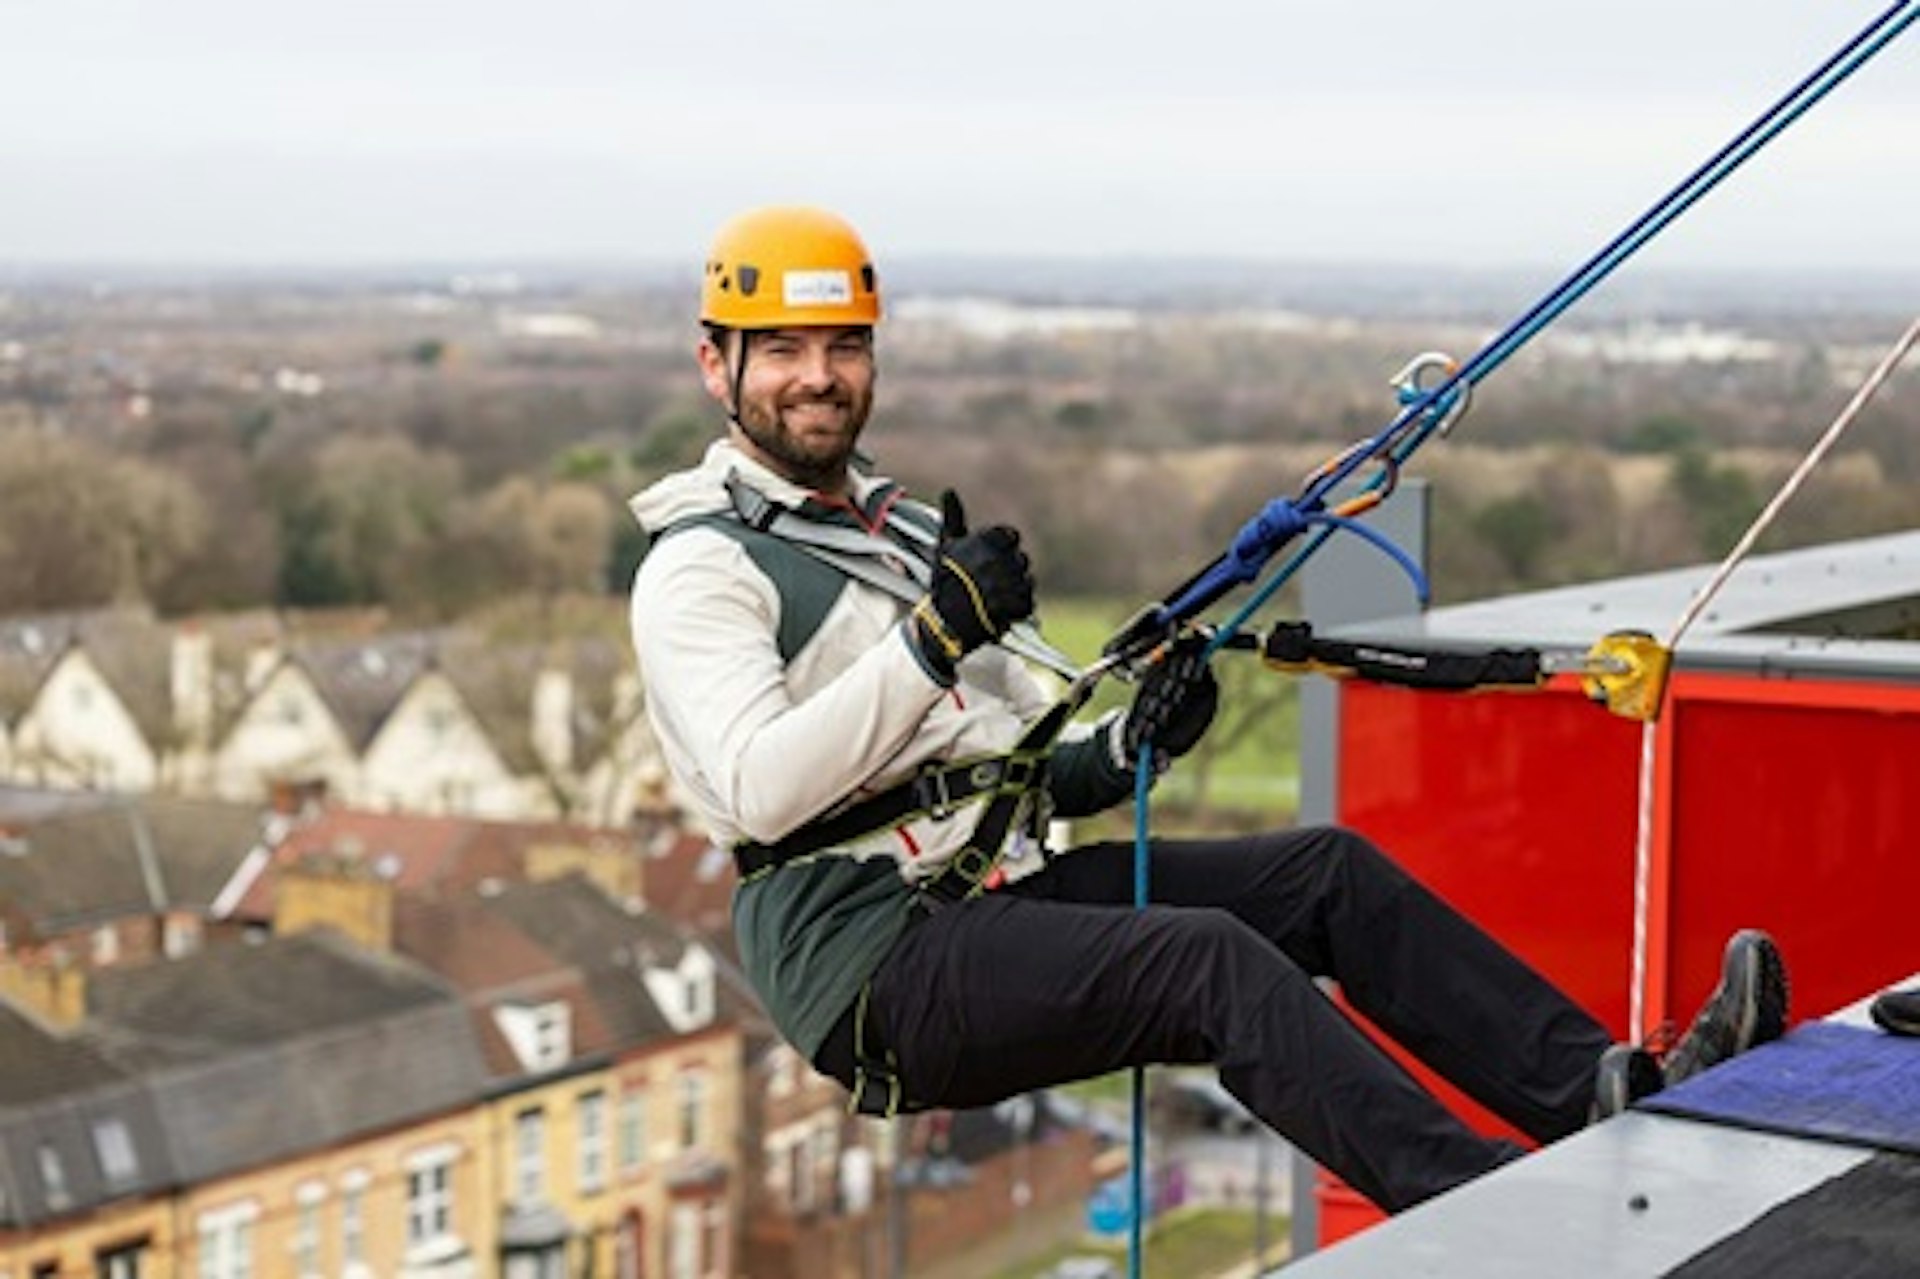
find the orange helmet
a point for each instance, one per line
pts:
(788, 266)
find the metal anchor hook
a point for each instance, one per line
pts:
(1409, 385)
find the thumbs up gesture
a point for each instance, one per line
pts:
(982, 584)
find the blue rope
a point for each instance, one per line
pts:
(1283, 519)
(1137, 1172)
(1417, 420)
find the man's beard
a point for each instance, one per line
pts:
(805, 465)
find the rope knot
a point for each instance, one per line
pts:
(1279, 522)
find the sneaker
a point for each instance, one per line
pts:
(1748, 1007)
(1625, 1075)
(1898, 1012)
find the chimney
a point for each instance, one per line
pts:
(613, 866)
(52, 990)
(191, 684)
(332, 890)
(553, 719)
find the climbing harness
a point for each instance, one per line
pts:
(1010, 787)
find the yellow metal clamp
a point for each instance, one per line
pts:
(1626, 671)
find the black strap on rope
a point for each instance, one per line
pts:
(1292, 646)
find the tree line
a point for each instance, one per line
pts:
(436, 478)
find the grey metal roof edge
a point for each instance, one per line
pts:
(1735, 635)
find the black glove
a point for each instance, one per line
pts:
(982, 584)
(1176, 702)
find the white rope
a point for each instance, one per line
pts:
(1643, 839)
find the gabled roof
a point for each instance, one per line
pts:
(493, 964)
(363, 680)
(613, 944)
(128, 856)
(127, 646)
(29, 646)
(537, 942)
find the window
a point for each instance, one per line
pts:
(593, 1141)
(53, 1176)
(550, 1037)
(800, 1189)
(633, 1130)
(122, 1262)
(180, 935)
(429, 1200)
(353, 1221)
(114, 1146)
(306, 1231)
(106, 946)
(529, 1155)
(226, 1242)
(541, 1034)
(683, 1242)
(693, 1104)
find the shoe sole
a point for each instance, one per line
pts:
(1898, 1012)
(1625, 1075)
(1754, 965)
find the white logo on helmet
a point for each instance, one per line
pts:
(817, 288)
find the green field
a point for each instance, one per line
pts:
(1247, 771)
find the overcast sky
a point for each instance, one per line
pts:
(1477, 133)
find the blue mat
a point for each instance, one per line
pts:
(1837, 1083)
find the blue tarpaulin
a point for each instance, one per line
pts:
(1834, 1082)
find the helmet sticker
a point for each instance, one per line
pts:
(817, 288)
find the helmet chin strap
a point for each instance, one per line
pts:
(737, 378)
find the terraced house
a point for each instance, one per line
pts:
(254, 707)
(309, 1105)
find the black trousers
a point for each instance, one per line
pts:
(1059, 978)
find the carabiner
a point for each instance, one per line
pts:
(1410, 389)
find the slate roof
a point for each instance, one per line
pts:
(362, 680)
(126, 856)
(613, 944)
(558, 939)
(493, 964)
(55, 1092)
(236, 1057)
(29, 646)
(257, 1052)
